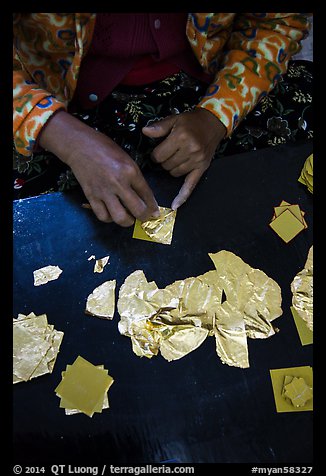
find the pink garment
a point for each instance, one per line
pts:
(137, 48)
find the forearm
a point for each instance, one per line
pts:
(63, 133)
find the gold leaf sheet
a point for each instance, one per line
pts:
(160, 229)
(177, 319)
(46, 274)
(296, 390)
(249, 290)
(302, 291)
(101, 302)
(35, 347)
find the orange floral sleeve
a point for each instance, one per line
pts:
(48, 49)
(33, 106)
(257, 48)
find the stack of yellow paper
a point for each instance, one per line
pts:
(35, 346)
(306, 176)
(84, 387)
(288, 220)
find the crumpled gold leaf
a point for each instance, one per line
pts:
(138, 302)
(46, 274)
(101, 302)
(161, 229)
(302, 291)
(250, 291)
(177, 319)
(230, 336)
(296, 390)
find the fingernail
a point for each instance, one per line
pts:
(156, 214)
(177, 203)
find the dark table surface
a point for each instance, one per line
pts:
(193, 410)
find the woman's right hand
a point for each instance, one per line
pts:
(111, 181)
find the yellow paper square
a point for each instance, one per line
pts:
(278, 376)
(102, 405)
(305, 334)
(295, 209)
(287, 226)
(139, 233)
(83, 386)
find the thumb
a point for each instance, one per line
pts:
(187, 188)
(160, 128)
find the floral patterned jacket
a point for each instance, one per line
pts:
(246, 53)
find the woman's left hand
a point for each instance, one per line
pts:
(191, 139)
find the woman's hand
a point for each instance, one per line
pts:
(111, 181)
(191, 141)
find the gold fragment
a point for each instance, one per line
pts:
(46, 274)
(101, 302)
(100, 264)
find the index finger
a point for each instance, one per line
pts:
(187, 188)
(143, 190)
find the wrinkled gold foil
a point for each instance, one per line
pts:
(101, 302)
(230, 336)
(46, 274)
(249, 290)
(35, 347)
(139, 301)
(302, 291)
(161, 229)
(296, 391)
(177, 319)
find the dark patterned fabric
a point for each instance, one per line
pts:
(285, 115)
